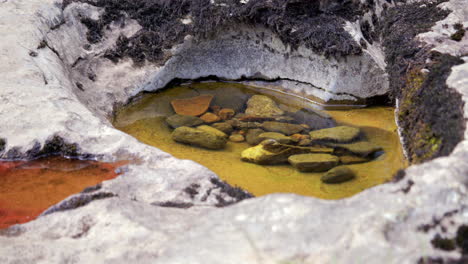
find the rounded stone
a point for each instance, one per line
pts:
(280, 138)
(261, 105)
(213, 130)
(226, 113)
(237, 138)
(176, 121)
(198, 137)
(252, 136)
(313, 162)
(210, 118)
(341, 134)
(338, 175)
(284, 128)
(225, 127)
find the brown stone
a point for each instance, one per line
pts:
(299, 137)
(226, 113)
(210, 118)
(215, 109)
(237, 138)
(304, 142)
(194, 106)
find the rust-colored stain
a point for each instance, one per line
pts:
(28, 188)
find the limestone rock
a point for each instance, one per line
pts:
(210, 118)
(284, 128)
(361, 148)
(194, 106)
(226, 113)
(280, 138)
(252, 136)
(341, 134)
(313, 162)
(314, 119)
(237, 138)
(271, 152)
(198, 137)
(225, 127)
(176, 121)
(338, 175)
(261, 105)
(213, 130)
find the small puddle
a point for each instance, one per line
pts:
(28, 188)
(145, 117)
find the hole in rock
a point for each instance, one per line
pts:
(268, 141)
(28, 188)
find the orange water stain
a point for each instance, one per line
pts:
(28, 188)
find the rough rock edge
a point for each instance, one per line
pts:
(424, 130)
(293, 21)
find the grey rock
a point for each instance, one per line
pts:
(199, 138)
(313, 162)
(340, 134)
(176, 121)
(280, 138)
(313, 118)
(225, 127)
(284, 128)
(338, 175)
(252, 136)
(264, 106)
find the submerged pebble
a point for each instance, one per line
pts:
(198, 137)
(338, 175)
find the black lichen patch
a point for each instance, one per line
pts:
(427, 106)
(439, 260)
(460, 242)
(91, 189)
(78, 201)
(459, 34)
(442, 243)
(462, 239)
(56, 146)
(400, 175)
(235, 193)
(192, 190)
(436, 221)
(314, 24)
(180, 205)
(2, 145)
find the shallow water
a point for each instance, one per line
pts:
(28, 188)
(144, 119)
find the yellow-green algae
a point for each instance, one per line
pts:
(144, 119)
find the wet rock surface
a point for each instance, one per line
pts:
(313, 162)
(341, 134)
(284, 128)
(176, 121)
(262, 106)
(199, 138)
(338, 175)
